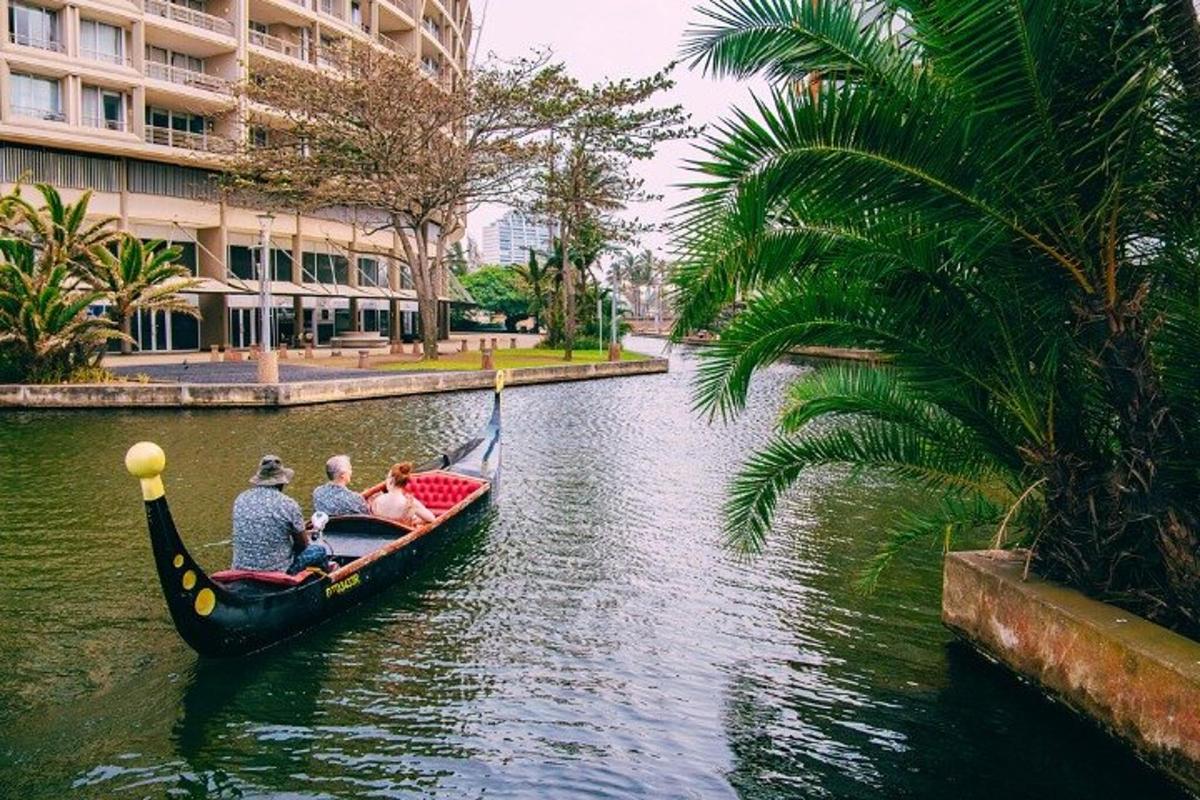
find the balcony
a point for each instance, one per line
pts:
(197, 19)
(185, 140)
(404, 7)
(34, 112)
(277, 45)
(185, 77)
(41, 43)
(105, 124)
(120, 59)
(391, 44)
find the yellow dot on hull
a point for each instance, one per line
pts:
(178, 562)
(189, 580)
(206, 601)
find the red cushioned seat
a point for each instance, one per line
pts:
(273, 578)
(440, 492)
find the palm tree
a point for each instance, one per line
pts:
(140, 276)
(1002, 198)
(534, 278)
(45, 330)
(59, 232)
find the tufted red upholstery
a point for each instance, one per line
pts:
(440, 491)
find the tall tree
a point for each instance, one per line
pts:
(374, 132)
(596, 134)
(1003, 198)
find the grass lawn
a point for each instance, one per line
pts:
(509, 359)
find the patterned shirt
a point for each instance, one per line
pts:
(338, 501)
(263, 522)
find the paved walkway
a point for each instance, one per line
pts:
(238, 372)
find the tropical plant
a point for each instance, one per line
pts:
(534, 281)
(46, 334)
(140, 276)
(1001, 196)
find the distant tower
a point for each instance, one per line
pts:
(509, 239)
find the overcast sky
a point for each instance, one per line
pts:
(612, 39)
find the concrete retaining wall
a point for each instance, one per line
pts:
(199, 395)
(1138, 680)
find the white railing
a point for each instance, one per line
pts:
(120, 59)
(187, 140)
(276, 44)
(391, 44)
(185, 77)
(188, 16)
(24, 39)
(39, 113)
(105, 123)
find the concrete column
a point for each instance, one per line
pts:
(372, 19)
(70, 30)
(137, 38)
(4, 21)
(73, 99)
(137, 119)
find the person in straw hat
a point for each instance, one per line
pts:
(268, 526)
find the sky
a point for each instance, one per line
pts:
(600, 39)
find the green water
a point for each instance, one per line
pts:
(591, 639)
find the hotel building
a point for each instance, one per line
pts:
(133, 99)
(510, 239)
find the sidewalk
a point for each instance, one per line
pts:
(116, 360)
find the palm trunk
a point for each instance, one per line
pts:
(127, 329)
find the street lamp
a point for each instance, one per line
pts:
(268, 367)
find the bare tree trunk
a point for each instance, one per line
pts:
(425, 285)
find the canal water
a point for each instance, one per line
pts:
(591, 639)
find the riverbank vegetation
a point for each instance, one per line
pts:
(56, 269)
(404, 152)
(1003, 197)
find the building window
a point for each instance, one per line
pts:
(34, 27)
(103, 108)
(259, 27)
(101, 42)
(159, 55)
(33, 96)
(356, 14)
(243, 263)
(326, 268)
(259, 137)
(370, 272)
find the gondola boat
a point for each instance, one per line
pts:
(234, 613)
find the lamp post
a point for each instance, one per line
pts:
(268, 366)
(614, 344)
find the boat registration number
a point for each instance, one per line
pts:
(343, 586)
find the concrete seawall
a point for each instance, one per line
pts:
(184, 395)
(1138, 680)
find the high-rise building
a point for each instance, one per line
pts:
(509, 239)
(133, 99)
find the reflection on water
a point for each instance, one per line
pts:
(591, 638)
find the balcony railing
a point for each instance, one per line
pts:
(105, 123)
(189, 16)
(187, 140)
(276, 44)
(391, 44)
(185, 77)
(41, 43)
(34, 112)
(330, 7)
(120, 59)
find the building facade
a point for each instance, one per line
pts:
(134, 100)
(510, 239)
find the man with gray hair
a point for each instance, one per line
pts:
(335, 498)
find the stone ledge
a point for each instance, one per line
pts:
(1138, 680)
(250, 395)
